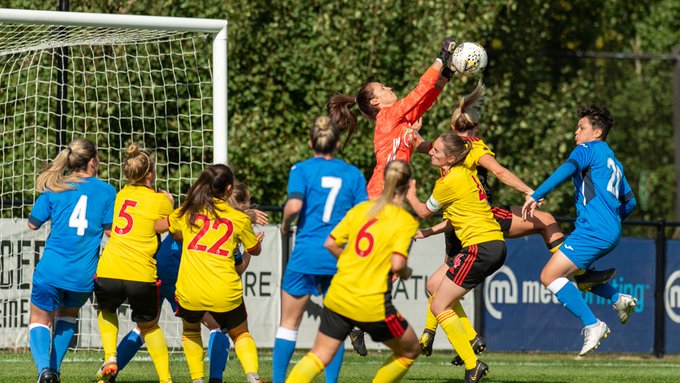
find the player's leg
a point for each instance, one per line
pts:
(332, 370)
(110, 295)
(554, 278)
(145, 305)
(218, 348)
(45, 300)
(396, 334)
(333, 330)
(244, 344)
(64, 328)
(296, 290)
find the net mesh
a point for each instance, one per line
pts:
(114, 86)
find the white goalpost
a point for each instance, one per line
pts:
(114, 79)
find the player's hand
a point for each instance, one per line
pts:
(260, 236)
(406, 273)
(423, 233)
(417, 124)
(411, 193)
(528, 208)
(448, 45)
(258, 217)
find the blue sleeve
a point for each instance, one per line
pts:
(580, 156)
(41, 211)
(360, 194)
(107, 220)
(296, 182)
(560, 175)
(628, 201)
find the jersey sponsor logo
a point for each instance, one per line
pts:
(672, 296)
(568, 247)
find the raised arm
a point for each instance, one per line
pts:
(507, 177)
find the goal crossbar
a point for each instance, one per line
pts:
(218, 28)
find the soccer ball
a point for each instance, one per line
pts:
(469, 59)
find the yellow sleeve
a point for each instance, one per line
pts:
(479, 149)
(401, 243)
(176, 221)
(247, 237)
(164, 205)
(341, 232)
(441, 196)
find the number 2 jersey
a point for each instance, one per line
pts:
(361, 288)
(600, 189)
(130, 253)
(79, 218)
(328, 189)
(207, 279)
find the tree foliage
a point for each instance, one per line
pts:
(287, 57)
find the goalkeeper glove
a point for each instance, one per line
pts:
(448, 45)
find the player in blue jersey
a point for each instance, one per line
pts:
(603, 199)
(167, 265)
(80, 207)
(320, 191)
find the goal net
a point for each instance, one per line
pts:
(116, 80)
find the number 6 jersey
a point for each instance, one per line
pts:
(130, 253)
(207, 278)
(361, 288)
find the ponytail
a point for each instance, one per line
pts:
(59, 173)
(466, 116)
(211, 184)
(324, 136)
(339, 106)
(137, 165)
(397, 177)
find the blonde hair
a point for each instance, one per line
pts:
(324, 136)
(466, 116)
(137, 165)
(397, 177)
(59, 173)
(239, 195)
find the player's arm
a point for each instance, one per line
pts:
(162, 225)
(40, 212)
(507, 177)
(628, 201)
(400, 266)
(441, 227)
(333, 247)
(419, 208)
(290, 212)
(560, 175)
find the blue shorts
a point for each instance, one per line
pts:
(167, 291)
(299, 284)
(583, 249)
(51, 298)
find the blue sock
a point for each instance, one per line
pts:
(218, 353)
(606, 290)
(64, 328)
(333, 368)
(128, 347)
(571, 298)
(40, 339)
(284, 346)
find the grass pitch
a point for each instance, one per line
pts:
(504, 367)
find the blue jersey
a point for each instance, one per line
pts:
(328, 189)
(79, 218)
(167, 261)
(603, 195)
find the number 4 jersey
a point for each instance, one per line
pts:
(207, 278)
(328, 189)
(79, 218)
(130, 253)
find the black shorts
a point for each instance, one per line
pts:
(502, 214)
(143, 297)
(476, 262)
(227, 320)
(338, 326)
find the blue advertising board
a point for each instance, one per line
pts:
(672, 297)
(521, 314)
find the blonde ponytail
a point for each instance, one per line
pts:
(59, 173)
(397, 177)
(137, 165)
(466, 116)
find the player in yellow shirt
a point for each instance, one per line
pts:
(210, 229)
(378, 236)
(127, 267)
(463, 199)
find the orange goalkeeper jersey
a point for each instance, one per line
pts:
(393, 137)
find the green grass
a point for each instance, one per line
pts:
(504, 367)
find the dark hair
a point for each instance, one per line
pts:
(599, 117)
(454, 145)
(211, 183)
(397, 176)
(339, 109)
(324, 136)
(59, 172)
(137, 165)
